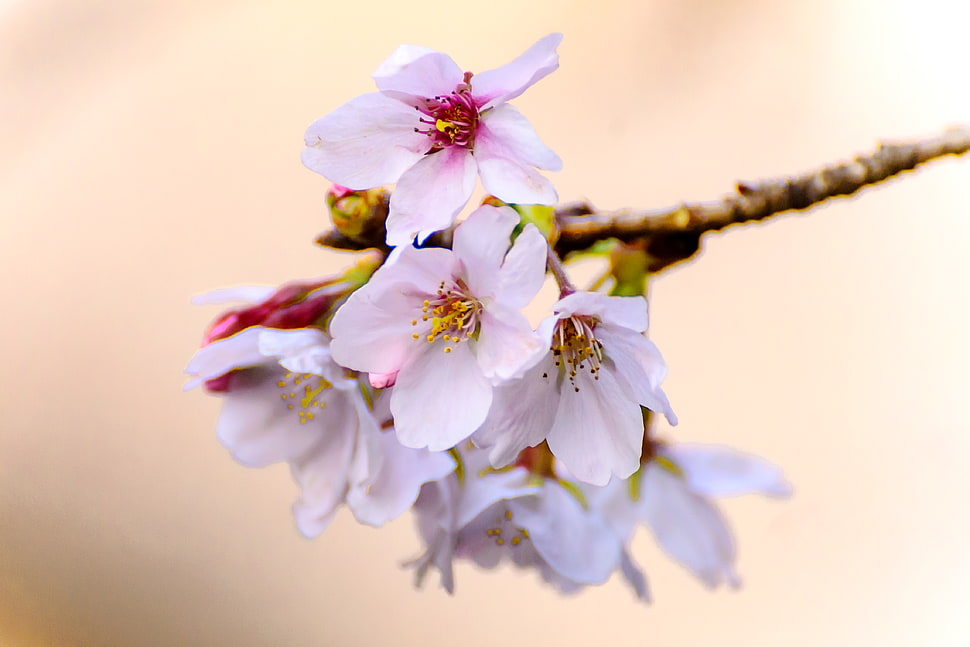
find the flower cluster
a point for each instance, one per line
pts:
(415, 380)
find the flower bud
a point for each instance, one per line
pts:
(358, 215)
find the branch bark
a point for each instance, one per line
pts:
(673, 234)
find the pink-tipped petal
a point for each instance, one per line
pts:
(505, 132)
(512, 79)
(366, 142)
(430, 194)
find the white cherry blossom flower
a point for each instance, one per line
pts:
(672, 494)
(432, 129)
(532, 521)
(584, 396)
(288, 401)
(448, 324)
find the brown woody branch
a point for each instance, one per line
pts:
(673, 234)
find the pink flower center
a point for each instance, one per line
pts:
(451, 119)
(453, 315)
(576, 349)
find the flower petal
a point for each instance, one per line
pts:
(322, 473)
(634, 576)
(430, 194)
(398, 483)
(481, 242)
(688, 527)
(439, 398)
(256, 426)
(505, 132)
(366, 142)
(715, 470)
(598, 431)
(419, 72)
(639, 367)
(628, 312)
(574, 542)
(301, 350)
(521, 415)
(223, 355)
(513, 181)
(524, 269)
(512, 79)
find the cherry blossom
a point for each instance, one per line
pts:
(432, 129)
(584, 396)
(532, 521)
(288, 401)
(444, 326)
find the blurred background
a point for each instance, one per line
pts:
(149, 151)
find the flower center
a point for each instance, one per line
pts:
(503, 532)
(453, 315)
(303, 393)
(450, 119)
(576, 349)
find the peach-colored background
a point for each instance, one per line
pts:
(149, 151)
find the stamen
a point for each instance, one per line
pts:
(313, 388)
(575, 348)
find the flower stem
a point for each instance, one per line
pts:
(555, 265)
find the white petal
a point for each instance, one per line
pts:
(512, 79)
(302, 350)
(397, 484)
(524, 269)
(639, 367)
(574, 542)
(322, 473)
(439, 398)
(507, 347)
(419, 72)
(513, 181)
(714, 470)
(628, 312)
(598, 431)
(634, 576)
(479, 492)
(366, 142)
(688, 527)
(521, 415)
(481, 242)
(238, 294)
(257, 427)
(505, 132)
(430, 194)
(223, 355)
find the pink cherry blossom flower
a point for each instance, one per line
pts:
(584, 396)
(532, 521)
(448, 323)
(432, 129)
(289, 402)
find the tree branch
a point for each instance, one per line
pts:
(673, 234)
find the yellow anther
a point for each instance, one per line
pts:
(414, 322)
(516, 541)
(508, 514)
(447, 349)
(416, 336)
(500, 542)
(430, 338)
(281, 383)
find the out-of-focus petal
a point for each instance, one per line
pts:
(439, 398)
(715, 470)
(303, 350)
(221, 356)
(430, 194)
(512, 79)
(574, 542)
(418, 71)
(688, 527)
(236, 294)
(398, 482)
(505, 132)
(366, 142)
